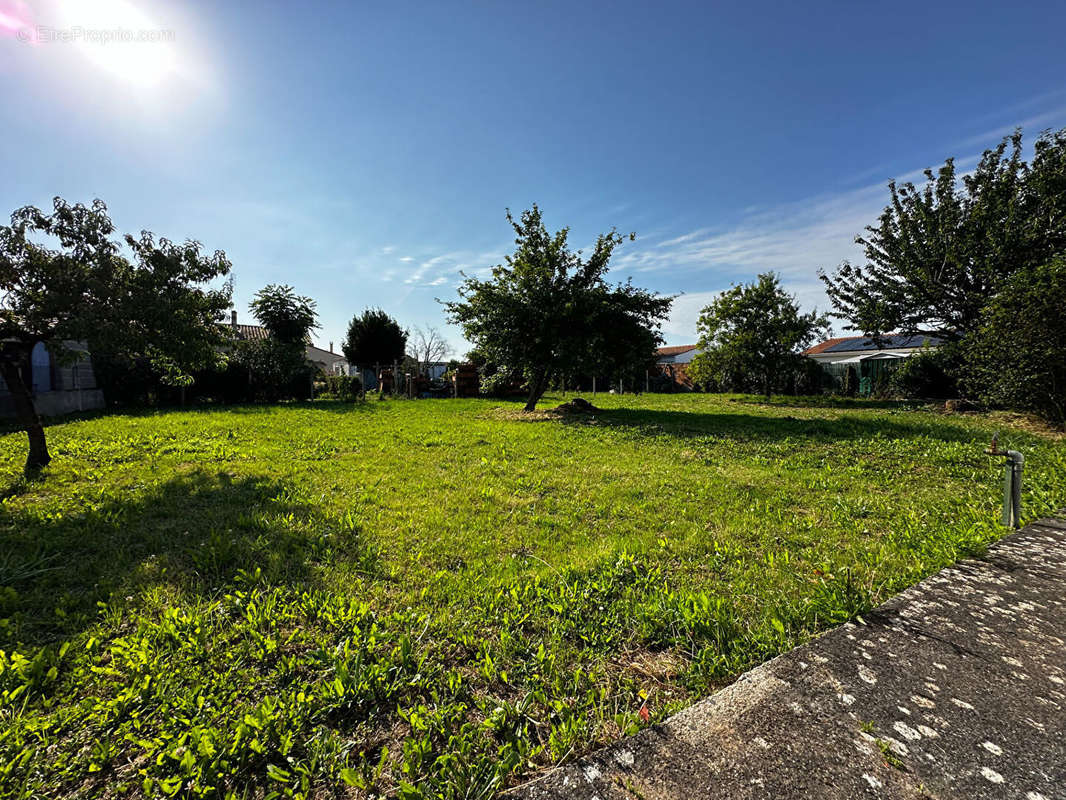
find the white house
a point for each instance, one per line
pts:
(870, 360)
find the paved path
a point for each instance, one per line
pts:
(954, 689)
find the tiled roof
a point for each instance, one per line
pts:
(674, 350)
(251, 333)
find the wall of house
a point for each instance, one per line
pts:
(57, 388)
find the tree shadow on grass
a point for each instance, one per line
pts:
(755, 426)
(194, 534)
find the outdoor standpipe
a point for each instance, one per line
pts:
(1013, 465)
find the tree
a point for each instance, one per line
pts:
(289, 317)
(374, 338)
(751, 337)
(550, 313)
(428, 347)
(278, 365)
(938, 254)
(1017, 356)
(63, 279)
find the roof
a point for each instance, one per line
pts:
(673, 350)
(858, 344)
(318, 354)
(249, 333)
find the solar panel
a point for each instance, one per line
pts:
(863, 343)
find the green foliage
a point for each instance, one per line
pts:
(939, 253)
(275, 370)
(442, 598)
(549, 313)
(925, 374)
(288, 317)
(1017, 357)
(64, 279)
(342, 387)
(751, 337)
(277, 367)
(374, 338)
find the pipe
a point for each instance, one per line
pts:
(1012, 489)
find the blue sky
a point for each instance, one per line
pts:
(364, 152)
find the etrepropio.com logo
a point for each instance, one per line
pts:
(44, 34)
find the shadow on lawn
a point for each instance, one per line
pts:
(196, 533)
(743, 426)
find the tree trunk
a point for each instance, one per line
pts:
(536, 390)
(26, 414)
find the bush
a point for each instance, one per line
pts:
(348, 388)
(1017, 357)
(276, 370)
(926, 374)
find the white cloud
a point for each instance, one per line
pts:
(794, 240)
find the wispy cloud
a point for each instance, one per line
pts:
(794, 240)
(450, 267)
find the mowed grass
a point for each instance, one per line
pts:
(440, 598)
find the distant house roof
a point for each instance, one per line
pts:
(675, 353)
(250, 333)
(673, 350)
(859, 344)
(324, 356)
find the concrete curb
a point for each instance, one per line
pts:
(955, 688)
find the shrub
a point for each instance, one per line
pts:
(1017, 357)
(342, 387)
(926, 374)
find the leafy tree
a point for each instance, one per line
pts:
(278, 365)
(938, 254)
(288, 317)
(751, 337)
(374, 338)
(63, 279)
(1017, 356)
(548, 312)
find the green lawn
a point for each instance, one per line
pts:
(442, 597)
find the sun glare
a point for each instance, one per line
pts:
(119, 38)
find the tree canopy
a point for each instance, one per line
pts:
(751, 337)
(548, 312)
(1017, 357)
(277, 367)
(289, 317)
(374, 338)
(937, 254)
(64, 279)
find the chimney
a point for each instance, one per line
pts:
(331, 347)
(233, 318)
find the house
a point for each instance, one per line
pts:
(57, 388)
(326, 360)
(672, 362)
(869, 361)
